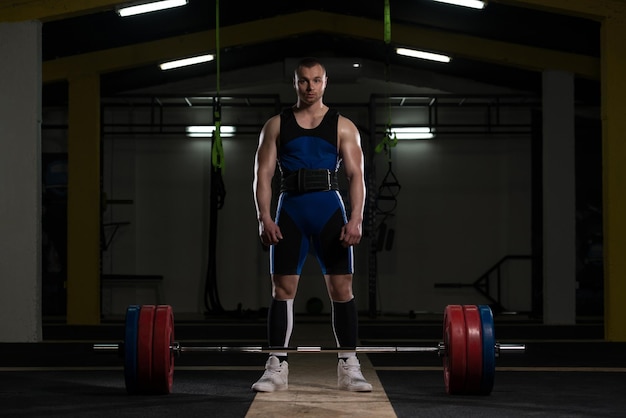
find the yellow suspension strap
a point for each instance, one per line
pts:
(386, 200)
(218, 191)
(217, 151)
(387, 18)
(377, 230)
(389, 139)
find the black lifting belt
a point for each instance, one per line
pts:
(305, 180)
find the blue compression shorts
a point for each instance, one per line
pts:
(311, 221)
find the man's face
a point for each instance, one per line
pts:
(310, 83)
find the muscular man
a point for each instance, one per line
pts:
(309, 142)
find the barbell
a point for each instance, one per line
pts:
(468, 349)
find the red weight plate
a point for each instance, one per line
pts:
(455, 360)
(144, 348)
(474, 337)
(162, 356)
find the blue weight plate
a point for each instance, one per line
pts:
(130, 348)
(489, 350)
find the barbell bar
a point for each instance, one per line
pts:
(440, 349)
(468, 349)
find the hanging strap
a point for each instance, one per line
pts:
(217, 151)
(387, 34)
(218, 192)
(390, 186)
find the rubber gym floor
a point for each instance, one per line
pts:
(566, 371)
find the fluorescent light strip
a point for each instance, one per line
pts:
(423, 55)
(149, 7)
(417, 132)
(199, 131)
(474, 4)
(186, 61)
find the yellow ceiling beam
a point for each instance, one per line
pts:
(497, 52)
(302, 23)
(48, 10)
(591, 9)
(137, 55)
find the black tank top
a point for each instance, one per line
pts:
(308, 148)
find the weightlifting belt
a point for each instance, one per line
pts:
(305, 180)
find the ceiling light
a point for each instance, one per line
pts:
(413, 132)
(135, 9)
(423, 55)
(207, 131)
(474, 4)
(186, 61)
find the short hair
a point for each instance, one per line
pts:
(309, 62)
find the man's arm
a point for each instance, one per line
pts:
(264, 168)
(349, 143)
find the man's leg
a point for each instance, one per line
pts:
(344, 312)
(280, 325)
(345, 324)
(345, 327)
(279, 329)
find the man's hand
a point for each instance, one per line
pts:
(351, 233)
(269, 232)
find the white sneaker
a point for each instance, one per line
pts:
(349, 376)
(275, 376)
